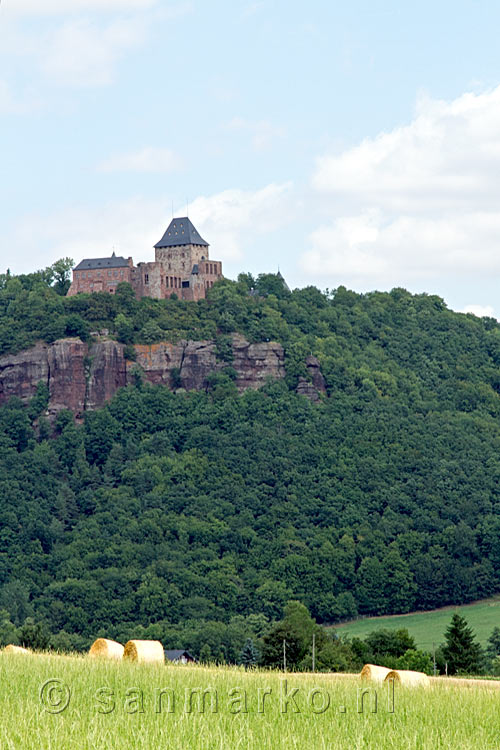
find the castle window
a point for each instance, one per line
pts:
(146, 278)
(115, 274)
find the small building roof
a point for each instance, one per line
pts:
(177, 653)
(181, 232)
(92, 263)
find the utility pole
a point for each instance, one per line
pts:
(284, 655)
(314, 652)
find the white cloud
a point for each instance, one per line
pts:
(227, 220)
(130, 227)
(414, 203)
(482, 311)
(83, 53)
(144, 160)
(66, 7)
(262, 132)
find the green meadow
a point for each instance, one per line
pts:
(57, 703)
(429, 627)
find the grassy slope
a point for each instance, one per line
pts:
(429, 627)
(440, 716)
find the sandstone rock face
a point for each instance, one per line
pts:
(305, 388)
(254, 363)
(83, 379)
(316, 385)
(67, 381)
(21, 373)
(106, 374)
(194, 360)
(317, 379)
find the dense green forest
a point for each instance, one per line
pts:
(195, 517)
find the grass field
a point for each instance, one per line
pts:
(115, 707)
(429, 627)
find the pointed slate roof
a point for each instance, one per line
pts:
(181, 232)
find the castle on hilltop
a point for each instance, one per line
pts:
(181, 266)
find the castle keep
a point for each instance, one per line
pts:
(181, 266)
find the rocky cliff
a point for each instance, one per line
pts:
(82, 377)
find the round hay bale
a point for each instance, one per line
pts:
(103, 648)
(144, 652)
(373, 673)
(10, 649)
(408, 678)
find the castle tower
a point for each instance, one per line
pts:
(181, 247)
(182, 265)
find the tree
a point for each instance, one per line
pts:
(249, 656)
(386, 644)
(124, 329)
(461, 650)
(60, 272)
(416, 661)
(34, 635)
(493, 647)
(205, 654)
(296, 629)
(151, 332)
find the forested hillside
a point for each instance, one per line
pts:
(191, 516)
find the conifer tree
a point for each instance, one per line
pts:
(249, 656)
(461, 651)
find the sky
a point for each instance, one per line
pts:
(345, 143)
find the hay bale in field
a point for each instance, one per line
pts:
(373, 673)
(10, 649)
(408, 678)
(103, 648)
(144, 652)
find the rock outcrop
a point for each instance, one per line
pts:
(314, 384)
(254, 363)
(107, 371)
(82, 377)
(66, 360)
(21, 373)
